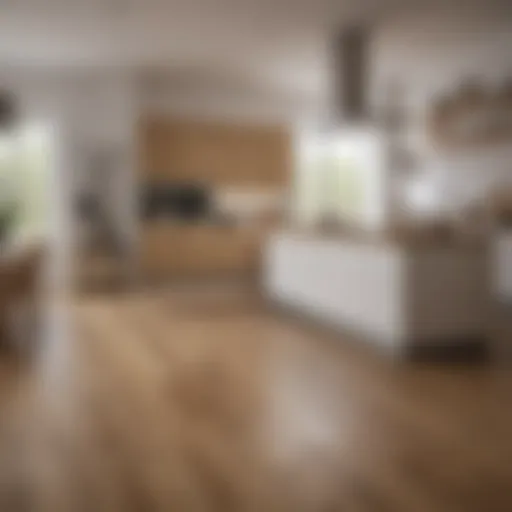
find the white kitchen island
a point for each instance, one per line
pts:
(405, 299)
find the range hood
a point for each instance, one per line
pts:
(350, 75)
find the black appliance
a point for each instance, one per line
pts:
(187, 202)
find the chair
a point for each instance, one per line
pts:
(20, 272)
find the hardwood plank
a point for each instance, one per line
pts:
(207, 400)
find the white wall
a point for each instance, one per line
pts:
(103, 115)
(428, 52)
(221, 100)
(87, 111)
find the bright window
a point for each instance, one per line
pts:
(25, 165)
(340, 177)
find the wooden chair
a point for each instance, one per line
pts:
(20, 272)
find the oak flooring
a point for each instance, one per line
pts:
(207, 400)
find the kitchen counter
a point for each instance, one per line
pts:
(408, 240)
(188, 250)
(397, 298)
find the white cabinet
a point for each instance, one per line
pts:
(391, 294)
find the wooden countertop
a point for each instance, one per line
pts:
(409, 240)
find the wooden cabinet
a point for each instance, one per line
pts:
(221, 156)
(215, 153)
(170, 250)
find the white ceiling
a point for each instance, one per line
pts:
(281, 39)
(278, 44)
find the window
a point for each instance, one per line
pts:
(340, 177)
(24, 179)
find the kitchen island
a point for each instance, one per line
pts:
(408, 299)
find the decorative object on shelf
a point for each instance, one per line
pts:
(473, 116)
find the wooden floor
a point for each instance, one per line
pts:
(209, 401)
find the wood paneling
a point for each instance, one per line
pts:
(169, 250)
(215, 153)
